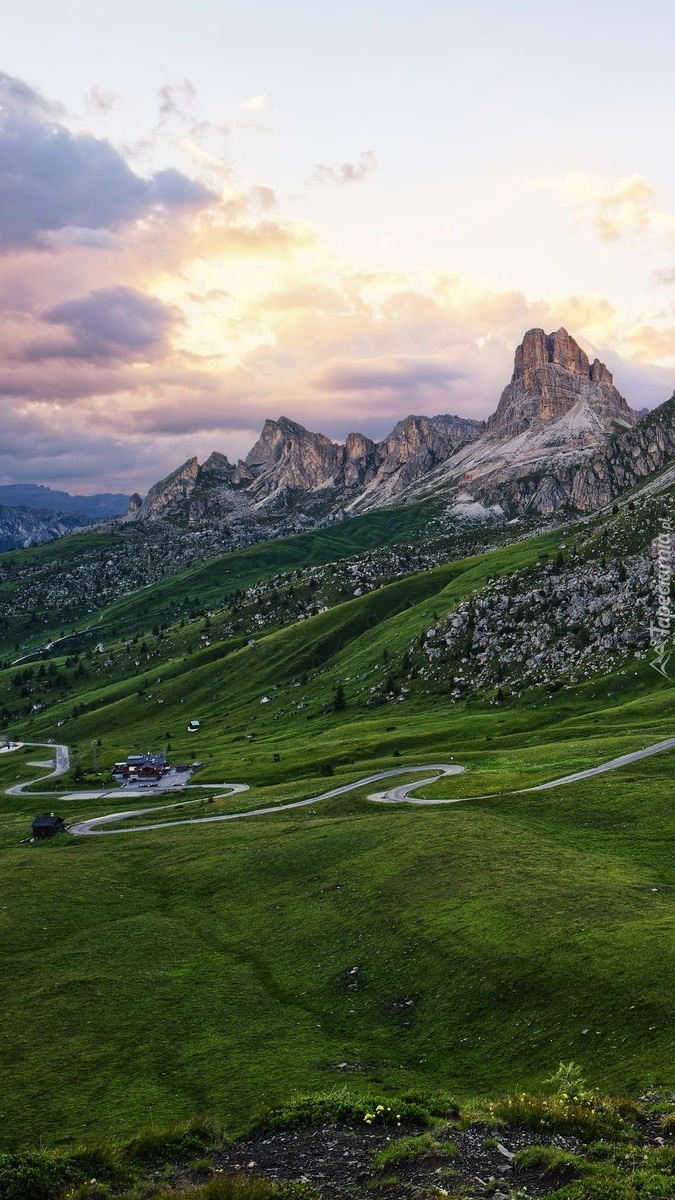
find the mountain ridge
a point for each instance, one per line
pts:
(41, 496)
(553, 442)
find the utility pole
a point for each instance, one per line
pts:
(94, 754)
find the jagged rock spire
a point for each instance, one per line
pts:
(552, 374)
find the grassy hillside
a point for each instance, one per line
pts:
(136, 693)
(212, 968)
(99, 563)
(207, 968)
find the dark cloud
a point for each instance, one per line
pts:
(23, 102)
(51, 179)
(38, 448)
(113, 323)
(392, 373)
(344, 172)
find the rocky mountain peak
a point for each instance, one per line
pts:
(162, 495)
(551, 375)
(358, 446)
(218, 463)
(287, 457)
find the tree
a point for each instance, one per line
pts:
(340, 700)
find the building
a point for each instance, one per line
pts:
(141, 766)
(46, 826)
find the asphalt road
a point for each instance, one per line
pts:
(612, 765)
(396, 795)
(83, 828)
(401, 794)
(61, 766)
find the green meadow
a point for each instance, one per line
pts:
(221, 968)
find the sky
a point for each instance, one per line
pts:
(216, 213)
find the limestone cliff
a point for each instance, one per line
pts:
(551, 376)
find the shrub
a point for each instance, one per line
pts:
(601, 1151)
(332, 1108)
(243, 1187)
(610, 1188)
(662, 1158)
(34, 1175)
(568, 1080)
(668, 1124)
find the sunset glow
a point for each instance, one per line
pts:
(211, 216)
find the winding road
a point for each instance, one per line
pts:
(60, 767)
(82, 828)
(395, 795)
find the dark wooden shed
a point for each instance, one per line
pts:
(48, 825)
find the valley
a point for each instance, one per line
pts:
(492, 918)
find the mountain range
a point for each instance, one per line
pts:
(31, 513)
(561, 437)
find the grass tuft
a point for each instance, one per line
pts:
(593, 1118)
(174, 1142)
(410, 1149)
(550, 1159)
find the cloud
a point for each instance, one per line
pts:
(143, 320)
(255, 104)
(112, 323)
(176, 99)
(39, 446)
(100, 100)
(51, 179)
(392, 373)
(23, 102)
(344, 172)
(615, 210)
(664, 276)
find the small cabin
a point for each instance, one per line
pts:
(46, 826)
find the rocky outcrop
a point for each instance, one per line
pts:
(288, 458)
(558, 414)
(417, 444)
(551, 376)
(297, 476)
(626, 460)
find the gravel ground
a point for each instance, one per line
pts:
(337, 1161)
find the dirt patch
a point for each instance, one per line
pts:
(337, 1160)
